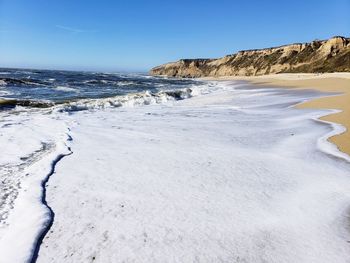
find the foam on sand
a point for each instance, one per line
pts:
(235, 175)
(33, 144)
(337, 83)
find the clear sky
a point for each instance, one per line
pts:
(133, 35)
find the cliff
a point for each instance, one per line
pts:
(332, 55)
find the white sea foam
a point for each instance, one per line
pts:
(147, 97)
(31, 142)
(130, 100)
(66, 88)
(111, 82)
(125, 83)
(25, 72)
(5, 93)
(235, 175)
(324, 144)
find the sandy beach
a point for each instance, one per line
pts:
(234, 173)
(187, 181)
(327, 82)
(191, 131)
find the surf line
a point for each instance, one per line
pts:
(48, 225)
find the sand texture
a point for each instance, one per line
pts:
(328, 82)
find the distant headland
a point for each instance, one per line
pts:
(319, 56)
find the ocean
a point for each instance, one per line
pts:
(83, 90)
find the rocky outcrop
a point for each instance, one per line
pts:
(332, 55)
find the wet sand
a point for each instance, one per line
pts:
(328, 82)
(223, 177)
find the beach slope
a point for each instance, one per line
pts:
(236, 175)
(337, 83)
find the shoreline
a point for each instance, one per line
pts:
(263, 165)
(326, 82)
(150, 204)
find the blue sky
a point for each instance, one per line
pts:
(135, 35)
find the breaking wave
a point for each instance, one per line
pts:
(24, 81)
(129, 100)
(65, 88)
(13, 103)
(69, 91)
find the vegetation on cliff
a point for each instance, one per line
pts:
(319, 56)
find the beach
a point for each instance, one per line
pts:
(331, 82)
(234, 173)
(152, 132)
(338, 83)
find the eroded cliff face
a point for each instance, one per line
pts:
(332, 55)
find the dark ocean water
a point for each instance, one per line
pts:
(41, 88)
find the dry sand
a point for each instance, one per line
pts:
(328, 82)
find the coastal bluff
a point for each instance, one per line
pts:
(319, 56)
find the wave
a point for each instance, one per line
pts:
(323, 142)
(26, 81)
(5, 93)
(125, 83)
(65, 88)
(13, 103)
(130, 100)
(25, 72)
(94, 81)
(110, 82)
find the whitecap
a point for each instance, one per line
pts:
(125, 83)
(65, 88)
(130, 100)
(5, 93)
